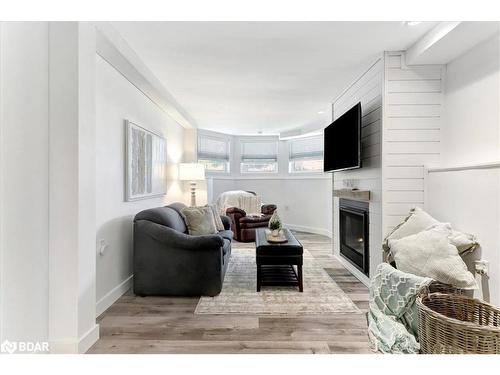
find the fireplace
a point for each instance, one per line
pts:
(353, 226)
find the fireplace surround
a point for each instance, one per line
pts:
(354, 233)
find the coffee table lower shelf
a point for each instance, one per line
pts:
(279, 275)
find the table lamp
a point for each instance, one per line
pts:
(192, 172)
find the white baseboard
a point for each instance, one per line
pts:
(76, 347)
(88, 339)
(105, 302)
(63, 347)
(357, 273)
(303, 228)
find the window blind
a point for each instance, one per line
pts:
(306, 148)
(259, 151)
(211, 148)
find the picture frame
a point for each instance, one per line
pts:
(145, 163)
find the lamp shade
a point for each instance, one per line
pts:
(191, 171)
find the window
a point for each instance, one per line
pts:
(214, 153)
(259, 156)
(306, 155)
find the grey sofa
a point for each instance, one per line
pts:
(170, 262)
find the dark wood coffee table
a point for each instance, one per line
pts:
(276, 261)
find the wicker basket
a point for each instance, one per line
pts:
(452, 323)
(438, 287)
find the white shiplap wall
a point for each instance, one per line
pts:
(411, 127)
(368, 90)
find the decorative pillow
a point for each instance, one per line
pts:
(430, 254)
(250, 204)
(199, 220)
(464, 242)
(218, 221)
(418, 220)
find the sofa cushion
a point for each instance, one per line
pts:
(199, 220)
(166, 216)
(227, 234)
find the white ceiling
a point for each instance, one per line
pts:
(250, 77)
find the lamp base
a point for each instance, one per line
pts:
(193, 193)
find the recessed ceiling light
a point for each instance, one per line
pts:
(321, 112)
(412, 23)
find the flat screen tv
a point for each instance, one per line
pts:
(343, 142)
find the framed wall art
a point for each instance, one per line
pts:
(146, 163)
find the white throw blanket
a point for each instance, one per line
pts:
(251, 205)
(230, 199)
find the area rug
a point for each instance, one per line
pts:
(239, 296)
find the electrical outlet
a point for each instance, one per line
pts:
(102, 246)
(482, 267)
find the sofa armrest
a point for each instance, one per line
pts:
(226, 221)
(268, 209)
(176, 239)
(235, 211)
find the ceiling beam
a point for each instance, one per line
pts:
(116, 51)
(448, 40)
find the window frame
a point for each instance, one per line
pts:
(221, 138)
(257, 160)
(291, 169)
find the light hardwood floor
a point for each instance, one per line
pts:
(168, 324)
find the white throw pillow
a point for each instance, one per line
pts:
(430, 254)
(218, 221)
(464, 242)
(418, 220)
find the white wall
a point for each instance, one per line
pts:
(72, 324)
(467, 197)
(116, 100)
(413, 111)
(304, 200)
(472, 100)
(367, 89)
(24, 181)
(470, 200)
(303, 204)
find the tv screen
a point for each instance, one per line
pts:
(343, 142)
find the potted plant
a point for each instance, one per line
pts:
(275, 224)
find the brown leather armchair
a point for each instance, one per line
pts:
(243, 226)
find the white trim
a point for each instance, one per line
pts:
(83, 344)
(2, 283)
(116, 51)
(88, 339)
(303, 228)
(112, 296)
(465, 167)
(310, 176)
(355, 272)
